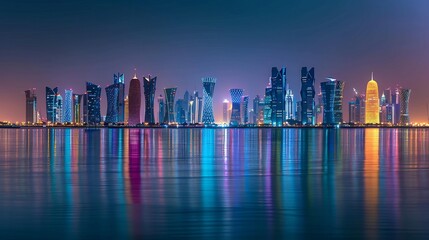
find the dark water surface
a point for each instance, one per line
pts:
(214, 183)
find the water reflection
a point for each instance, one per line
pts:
(201, 183)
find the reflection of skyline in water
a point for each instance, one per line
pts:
(214, 182)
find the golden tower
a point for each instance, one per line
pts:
(372, 105)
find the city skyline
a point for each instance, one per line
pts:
(348, 49)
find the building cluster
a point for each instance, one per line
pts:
(277, 107)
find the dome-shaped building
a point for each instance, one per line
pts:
(372, 105)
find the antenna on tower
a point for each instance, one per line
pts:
(372, 75)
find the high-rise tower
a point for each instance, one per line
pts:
(208, 90)
(112, 93)
(68, 106)
(149, 85)
(51, 104)
(404, 95)
(278, 93)
(307, 96)
(77, 99)
(119, 79)
(332, 94)
(372, 105)
(225, 107)
(236, 95)
(161, 109)
(93, 95)
(134, 101)
(169, 94)
(30, 106)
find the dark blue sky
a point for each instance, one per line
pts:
(65, 43)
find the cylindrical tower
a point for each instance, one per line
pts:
(372, 105)
(134, 101)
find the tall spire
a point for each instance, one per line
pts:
(372, 75)
(135, 74)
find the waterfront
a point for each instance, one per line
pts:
(214, 183)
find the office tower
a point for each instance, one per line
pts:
(388, 95)
(126, 110)
(307, 96)
(255, 108)
(338, 101)
(186, 102)
(180, 111)
(169, 94)
(208, 91)
(59, 107)
(383, 99)
(51, 104)
(85, 108)
(134, 101)
(332, 95)
(200, 109)
(149, 84)
(278, 93)
(244, 109)
(225, 107)
(236, 95)
(112, 93)
(404, 96)
(396, 107)
(160, 109)
(372, 108)
(319, 108)
(298, 111)
(289, 105)
(267, 105)
(352, 112)
(77, 99)
(31, 106)
(119, 79)
(68, 106)
(93, 95)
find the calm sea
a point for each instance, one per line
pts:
(214, 183)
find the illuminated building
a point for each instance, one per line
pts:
(134, 102)
(236, 95)
(289, 105)
(244, 109)
(77, 99)
(119, 79)
(169, 94)
(59, 107)
(126, 110)
(372, 108)
(93, 95)
(180, 111)
(338, 101)
(278, 93)
(68, 106)
(161, 109)
(51, 104)
(319, 108)
(149, 85)
(112, 93)
(208, 91)
(357, 108)
(328, 93)
(404, 95)
(396, 106)
(267, 105)
(31, 106)
(307, 96)
(225, 107)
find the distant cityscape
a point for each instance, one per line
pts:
(277, 107)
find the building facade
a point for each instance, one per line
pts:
(119, 80)
(149, 85)
(404, 95)
(225, 108)
(208, 91)
(372, 106)
(93, 97)
(236, 95)
(134, 101)
(169, 94)
(307, 96)
(68, 106)
(112, 94)
(51, 104)
(278, 93)
(31, 106)
(161, 109)
(77, 110)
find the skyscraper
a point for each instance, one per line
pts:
(31, 106)
(332, 94)
(307, 96)
(161, 109)
(51, 104)
(77, 99)
(267, 106)
(93, 95)
(372, 108)
(278, 93)
(404, 95)
(68, 106)
(180, 111)
(236, 95)
(119, 79)
(126, 110)
(256, 109)
(208, 91)
(357, 108)
(112, 93)
(225, 107)
(59, 107)
(134, 101)
(244, 109)
(169, 94)
(289, 105)
(149, 85)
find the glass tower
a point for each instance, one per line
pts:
(119, 79)
(68, 106)
(307, 96)
(112, 93)
(51, 104)
(244, 109)
(404, 95)
(278, 93)
(161, 109)
(93, 95)
(169, 94)
(149, 85)
(236, 95)
(134, 101)
(77, 99)
(372, 108)
(208, 90)
(30, 106)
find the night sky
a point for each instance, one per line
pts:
(65, 43)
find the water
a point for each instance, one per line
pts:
(214, 183)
